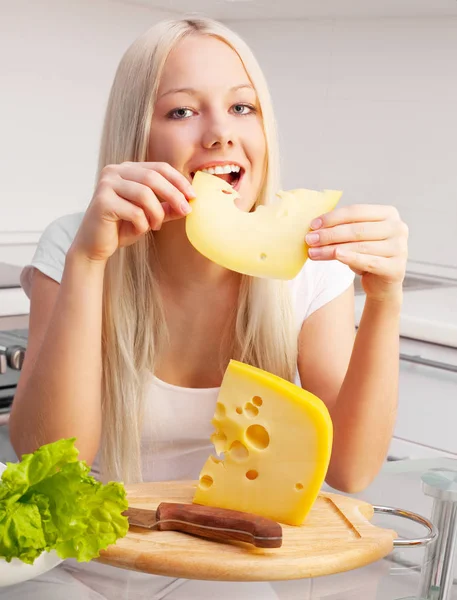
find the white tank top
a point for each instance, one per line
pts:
(177, 429)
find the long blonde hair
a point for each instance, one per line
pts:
(264, 333)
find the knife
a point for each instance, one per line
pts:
(221, 524)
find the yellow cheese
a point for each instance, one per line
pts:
(276, 439)
(268, 242)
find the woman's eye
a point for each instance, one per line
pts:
(180, 113)
(243, 109)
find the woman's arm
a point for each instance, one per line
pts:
(362, 381)
(59, 390)
(357, 380)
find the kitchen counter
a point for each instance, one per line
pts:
(428, 314)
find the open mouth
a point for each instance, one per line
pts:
(232, 174)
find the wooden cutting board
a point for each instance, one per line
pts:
(336, 536)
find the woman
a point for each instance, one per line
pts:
(131, 329)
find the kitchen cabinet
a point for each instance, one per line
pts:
(402, 449)
(426, 424)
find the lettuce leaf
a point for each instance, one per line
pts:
(33, 468)
(49, 501)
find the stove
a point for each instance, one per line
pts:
(10, 377)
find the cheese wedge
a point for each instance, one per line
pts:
(276, 439)
(269, 242)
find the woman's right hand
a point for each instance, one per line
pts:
(130, 199)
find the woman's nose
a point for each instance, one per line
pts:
(217, 134)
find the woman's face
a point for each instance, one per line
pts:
(207, 115)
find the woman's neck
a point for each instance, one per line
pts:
(179, 265)
(200, 300)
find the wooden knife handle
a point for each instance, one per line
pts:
(219, 524)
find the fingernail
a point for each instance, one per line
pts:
(186, 208)
(312, 238)
(316, 223)
(192, 193)
(314, 252)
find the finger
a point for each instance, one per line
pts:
(155, 181)
(142, 196)
(118, 209)
(389, 268)
(170, 174)
(389, 248)
(170, 214)
(355, 213)
(352, 232)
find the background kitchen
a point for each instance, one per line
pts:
(366, 97)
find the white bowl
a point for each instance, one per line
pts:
(17, 571)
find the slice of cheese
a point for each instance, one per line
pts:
(276, 439)
(268, 242)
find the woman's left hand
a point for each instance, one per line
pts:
(371, 239)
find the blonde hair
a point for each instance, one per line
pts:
(263, 331)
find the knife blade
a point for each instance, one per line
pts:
(219, 524)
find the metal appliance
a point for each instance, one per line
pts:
(13, 346)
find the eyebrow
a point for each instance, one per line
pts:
(193, 92)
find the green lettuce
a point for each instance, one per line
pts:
(48, 501)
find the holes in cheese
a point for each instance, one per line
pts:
(251, 410)
(219, 440)
(220, 410)
(274, 462)
(266, 242)
(258, 437)
(206, 481)
(238, 451)
(239, 410)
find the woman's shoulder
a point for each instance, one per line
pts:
(52, 248)
(63, 229)
(316, 273)
(318, 283)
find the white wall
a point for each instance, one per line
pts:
(370, 107)
(367, 106)
(57, 62)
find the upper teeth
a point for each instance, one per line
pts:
(221, 170)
